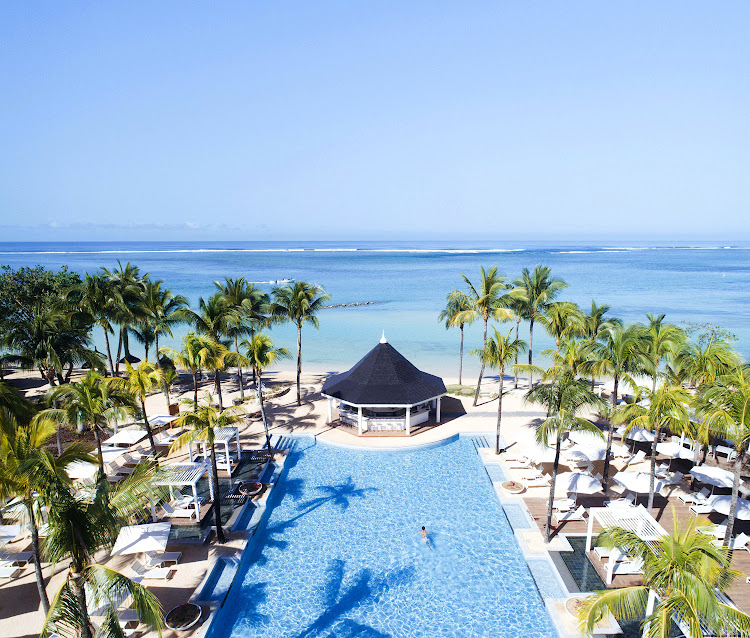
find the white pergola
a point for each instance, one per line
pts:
(634, 519)
(222, 436)
(180, 475)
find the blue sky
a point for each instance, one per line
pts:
(341, 120)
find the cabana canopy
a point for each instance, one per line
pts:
(180, 474)
(135, 539)
(222, 437)
(713, 476)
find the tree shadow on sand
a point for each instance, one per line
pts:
(337, 600)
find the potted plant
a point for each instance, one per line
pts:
(183, 617)
(512, 487)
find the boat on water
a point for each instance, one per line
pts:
(283, 281)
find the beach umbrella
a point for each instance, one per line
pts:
(585, 453)
(640, 435)
(674, 451)
(587, 439)
(134, 539)
(166, 362)
(637, 482)
(722, 503)
(713, 476)
(130, 358)
(578, 483)
(8, 533)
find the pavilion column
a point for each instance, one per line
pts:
(437, 411)
(195, 501)
(408, 419)
(590, 532)
(359, 419)
(330, 410)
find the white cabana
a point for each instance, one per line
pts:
(126, 437)
(8, 533)
(81, 470)
(578, 483)
(222, 437)
(713, 476)
(161, 419)
(722, 503)
(137, 539)
(180, 475)
(634, 519)
(637, 482)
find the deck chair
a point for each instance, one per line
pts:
(738, 542)
(675, 479)
(541, 481)
(157, 559)
(695, 497)
(177, 513)
(184, 500)
(571, 516)
(520, 464)
(625, 501)
(158, 573)
(17, 559)
(636, 458)
(10, 571)
(627, 567)
(701, 508)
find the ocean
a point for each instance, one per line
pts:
(407, 283)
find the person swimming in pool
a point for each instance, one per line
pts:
(426, 536)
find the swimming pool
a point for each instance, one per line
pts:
(340, 553)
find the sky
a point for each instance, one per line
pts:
(374, 120)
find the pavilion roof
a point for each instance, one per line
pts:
(384, 377)
(180, 473)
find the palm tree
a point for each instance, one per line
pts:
(564, 398)
(81, 525)
(667, 410)
(619, 355)
(201, 424)
(140, 382)
(96, 297)
(169, 377)
(93, 402)
(725, 407)
(28, 470)
(298, 304)
(660, 340)
(197, 352)
(250, 306)
(127, 302)
(164, 310)
(594, 324)
(684, 571)
(497, 354)
(487, 301)
(536, 291)
(699, 364)
(261, 354)
(456, 309)
(572, 356)
(562, 319)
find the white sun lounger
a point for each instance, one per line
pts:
(179, 512)
(693, 497)
(571, 516)
(16, 558)
(158, 573)
(541, 481)
(701, 508)
(625, 567)
(10, 571)
(739, 542)
(157, 559)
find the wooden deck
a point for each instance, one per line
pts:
(665, 509)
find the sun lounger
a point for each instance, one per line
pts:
(157, 559)
(179, 512)
(10, 571)
(701, 508)
(675, 479)
(128, 618)
(695, 497)
(541, 481)
(739, 542)
(626, 567)
(626, 501)
(522, 463)
(158, 573)
(636, 458)
(571, 516)
(16, 558)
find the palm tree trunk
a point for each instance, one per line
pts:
(149, 432)
(735, 491)
(218, 389)
(239, 370)
(461, 354)
(109, 352)
(259, 388)
(499, 410)
(614, 391)
(217, 497)
(76, 585)
(610, 437)
(99, 450)
(119, 352)
(531, 345)
(195, 390)
(548, 525)
(481, 370)
(299, 361)
(515, 361)
(37, 558)
(652, 478)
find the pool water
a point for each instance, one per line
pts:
(341, 555)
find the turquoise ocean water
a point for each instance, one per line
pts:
(689, 281)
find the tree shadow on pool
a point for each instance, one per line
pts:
(365, 588)
(339, 495)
